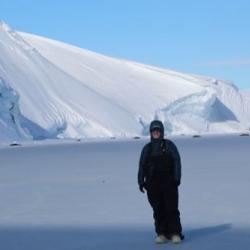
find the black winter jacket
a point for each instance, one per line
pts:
(175, 161)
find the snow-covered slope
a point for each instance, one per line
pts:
(65, 91)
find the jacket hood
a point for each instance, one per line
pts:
(156, 124)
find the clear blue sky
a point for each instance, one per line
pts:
(207, 37)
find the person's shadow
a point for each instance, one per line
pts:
(119, 238)
(194, 234)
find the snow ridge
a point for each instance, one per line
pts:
(200, 112)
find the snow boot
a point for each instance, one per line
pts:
(160, 239)
(176, 239)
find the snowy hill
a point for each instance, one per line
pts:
(64, 91)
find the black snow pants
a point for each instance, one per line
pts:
(163, 197)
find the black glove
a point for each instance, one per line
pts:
(177, 183)
(142, 187)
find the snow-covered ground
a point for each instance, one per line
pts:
(68, 92)
(59, 195)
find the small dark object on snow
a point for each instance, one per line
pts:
(78, 139)
(137, 137)
(113, 138)
(244, 134)
(196, 136)
(13, 144)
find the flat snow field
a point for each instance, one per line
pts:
(84, 195)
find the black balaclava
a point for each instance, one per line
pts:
(157, 144)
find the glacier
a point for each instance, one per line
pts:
(63, 91)
(10, 116)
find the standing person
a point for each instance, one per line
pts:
(160, 175)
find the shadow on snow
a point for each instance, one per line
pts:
(107, 238)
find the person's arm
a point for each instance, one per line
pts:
(177, 162)
(141, 171)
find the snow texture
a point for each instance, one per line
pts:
(67, 92)
(63, 194)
